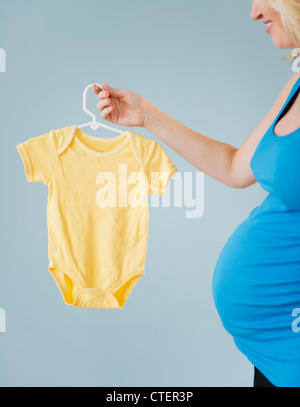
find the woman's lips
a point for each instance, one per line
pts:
(269, 27)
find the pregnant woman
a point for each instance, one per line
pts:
(256, 284)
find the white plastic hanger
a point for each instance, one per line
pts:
(94, 124)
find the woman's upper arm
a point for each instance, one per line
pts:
(240, 165)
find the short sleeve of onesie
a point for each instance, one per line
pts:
(39, 155)
(157, 166)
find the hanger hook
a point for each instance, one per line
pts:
(93, 126)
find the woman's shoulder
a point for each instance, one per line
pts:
(293, 79)
(289, 85)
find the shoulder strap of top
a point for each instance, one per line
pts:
(294, 89)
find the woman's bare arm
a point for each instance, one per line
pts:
(219, 160)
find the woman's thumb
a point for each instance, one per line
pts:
(113, 91)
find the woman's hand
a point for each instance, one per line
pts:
(121, 106)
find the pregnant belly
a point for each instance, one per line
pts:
(256, 282)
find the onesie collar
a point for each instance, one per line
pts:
(66, 134)
(65, 138)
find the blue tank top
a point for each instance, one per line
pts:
(256, 282)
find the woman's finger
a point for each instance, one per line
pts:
(103, 103)
(102, 94)
(105, 112)
(96, 89)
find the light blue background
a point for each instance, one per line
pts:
(208, 66)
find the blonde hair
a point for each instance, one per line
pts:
(289, 11)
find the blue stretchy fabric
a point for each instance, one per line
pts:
(256, 282)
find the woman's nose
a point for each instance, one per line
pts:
(256, 13)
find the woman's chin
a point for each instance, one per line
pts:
(279, 42)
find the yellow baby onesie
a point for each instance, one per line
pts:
(97, 212)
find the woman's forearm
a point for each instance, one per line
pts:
(210, 156)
